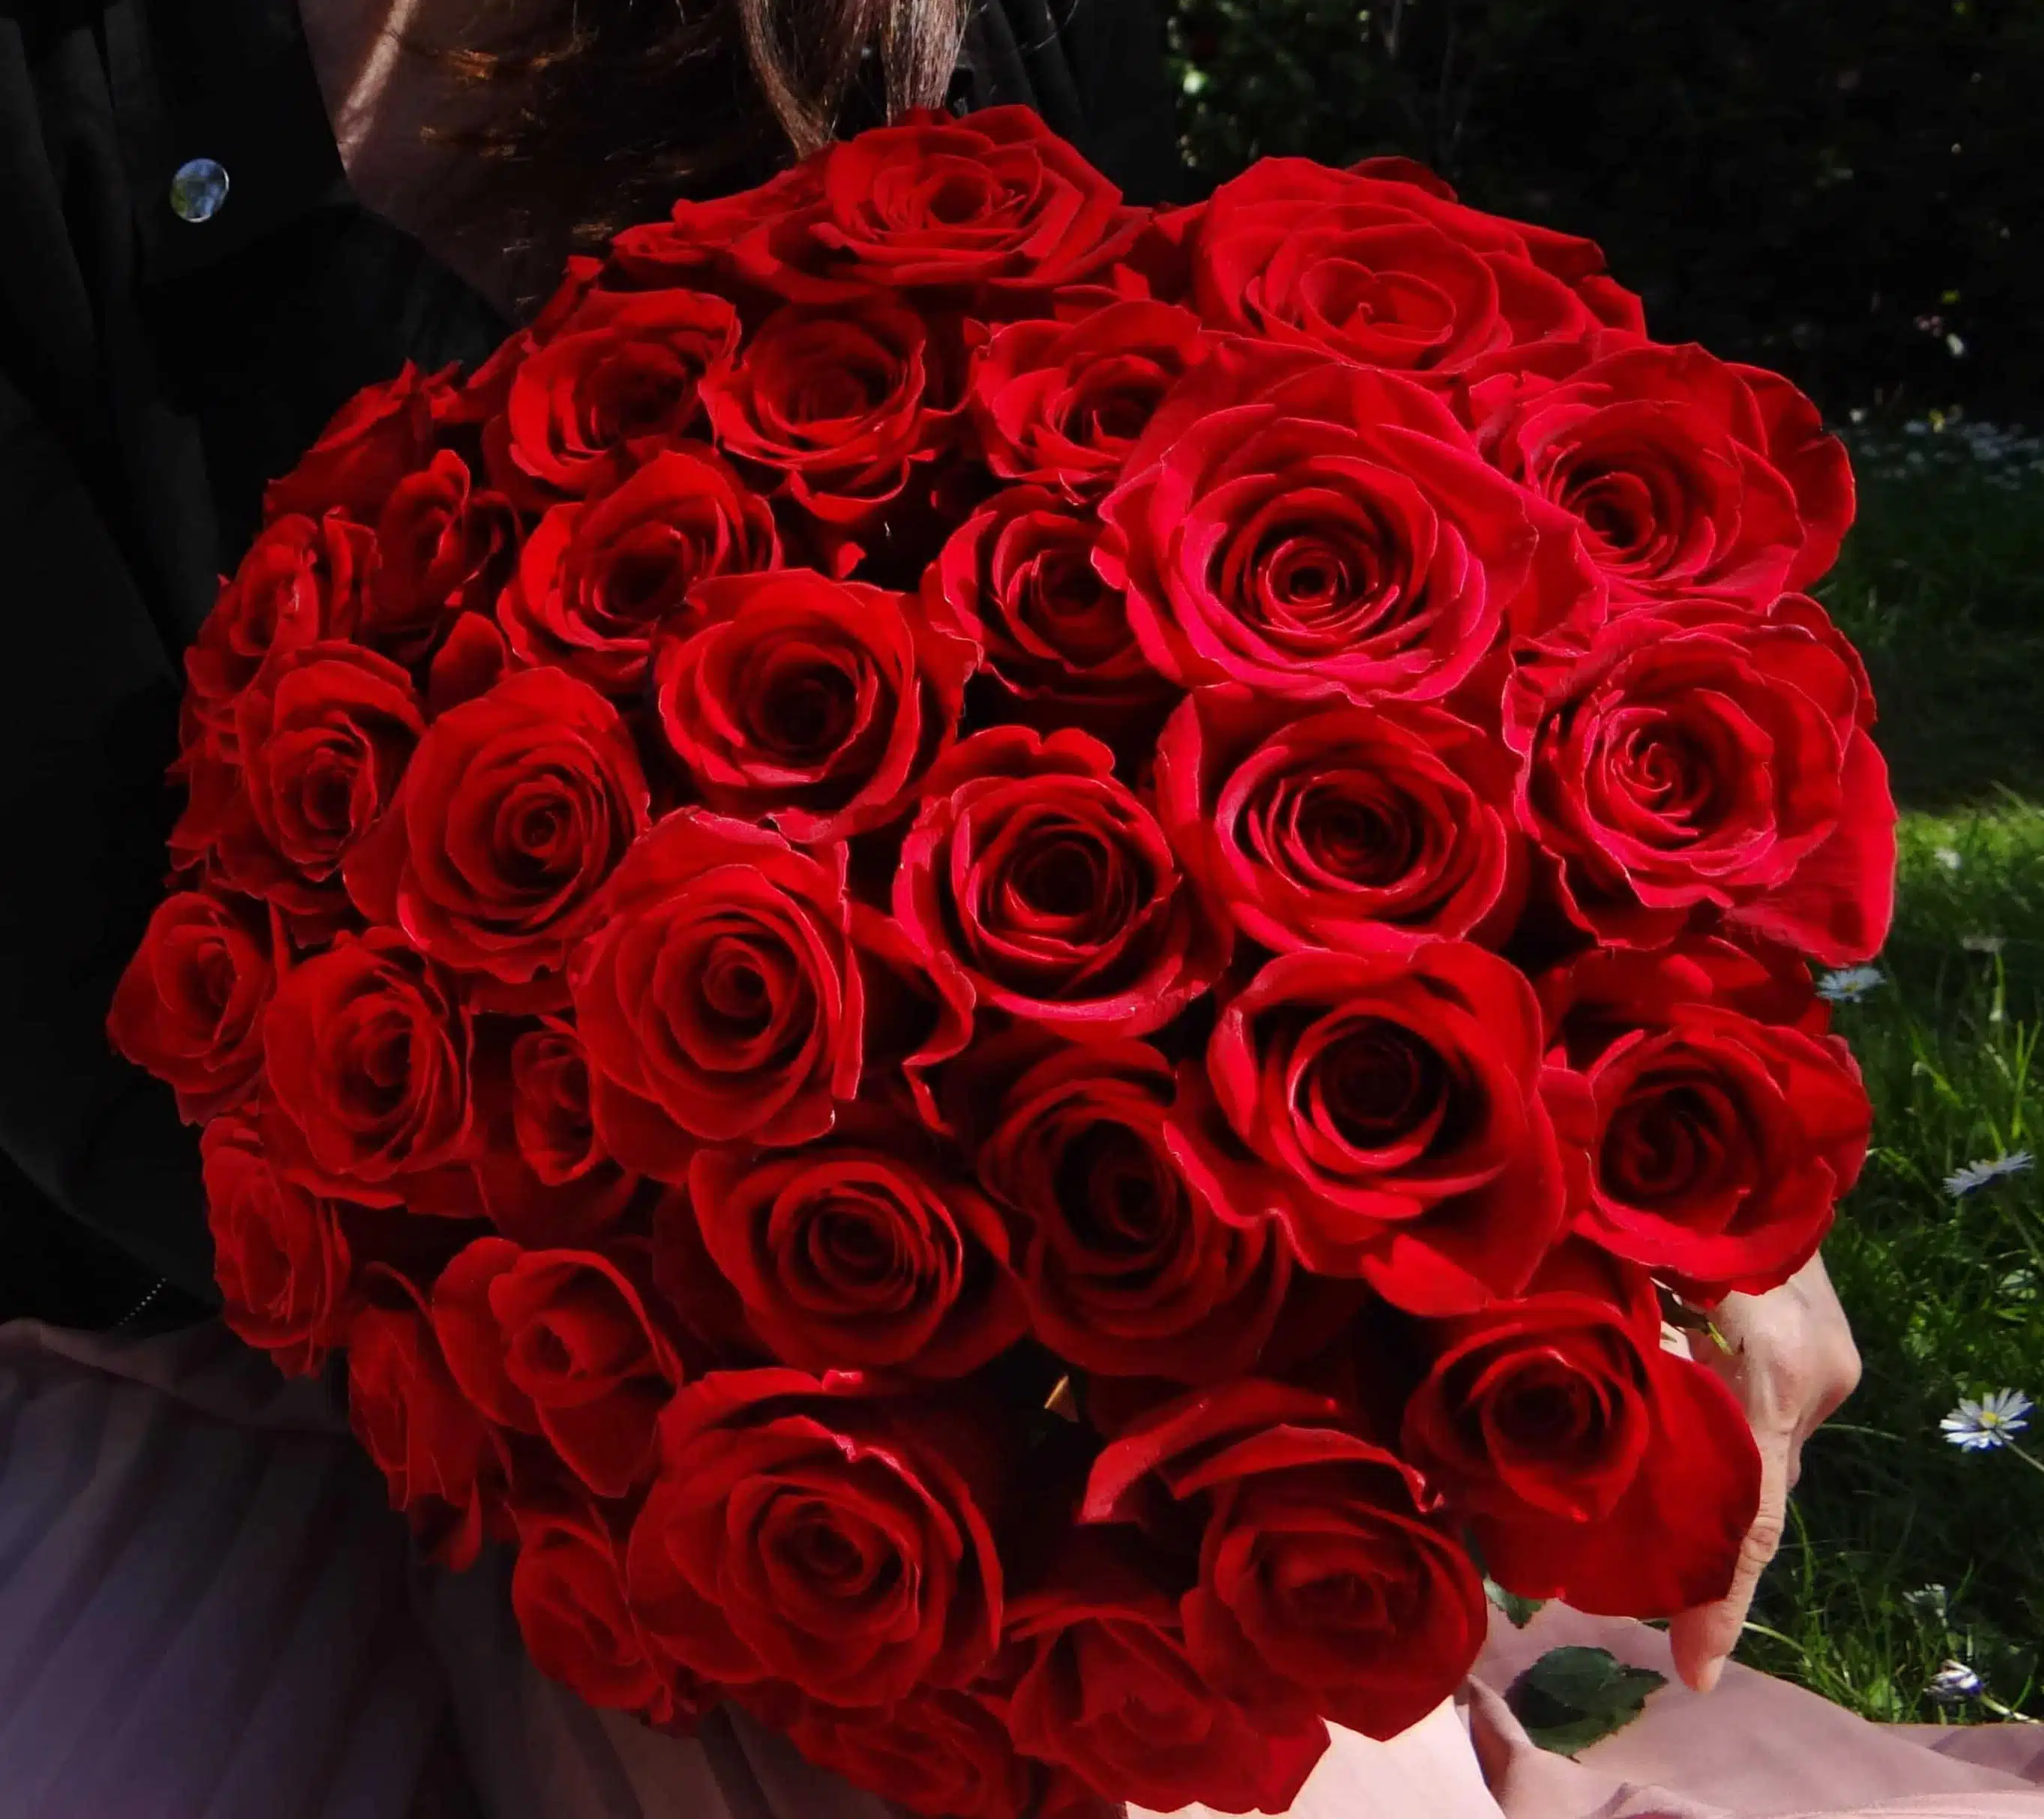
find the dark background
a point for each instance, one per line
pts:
(1847, 190)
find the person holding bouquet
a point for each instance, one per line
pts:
(508, 1064)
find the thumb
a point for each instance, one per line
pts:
(1704, 1638)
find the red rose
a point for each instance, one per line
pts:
(806, 1532)
(366, 1049)
(517, 806)
(1662, 456)
(381, 434)
(1053, 887)
(1706, 757)
(918, 1013)
(568, 1591)
(1061, 405)
(301, 582)
(278, 1252)
(619, 379)
(446, 1466)
(996, 203)
(1394, 1100)
(813, 704)
(1323, 1590)
(443, 547)
(595, 580)
(1106, 1689)
(1310, 828)
(558, 1343)
(1813, 462)
(547, 1179)
(322, 737)
(694, 243)
(944, 1754)
(189, 1006)
(842, 404)
(719, 996)
(1018, 579)
(1315, 529)
(1716, 1147)
(1382, 266)
(1128, 1268)
(1592, 1464)
(859, 1254)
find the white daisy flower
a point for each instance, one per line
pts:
(1983, 944)
(1955, 1682)
(1851, 984)
(1948, 857)
(1930, 1601)
(1992, 1422)
(1976, 1175)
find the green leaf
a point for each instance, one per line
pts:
(1518, 1611)
(1572, 1697)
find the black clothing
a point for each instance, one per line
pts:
(155, 372)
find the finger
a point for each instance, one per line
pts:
(1704, 1638)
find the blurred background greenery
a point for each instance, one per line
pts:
(1852, 192)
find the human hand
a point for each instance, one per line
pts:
(1792, 1362)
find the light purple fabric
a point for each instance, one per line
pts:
(206, 1612)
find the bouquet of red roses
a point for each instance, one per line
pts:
(996, 954)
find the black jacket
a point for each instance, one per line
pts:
(154, 372)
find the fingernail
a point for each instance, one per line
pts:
(1708, 1675)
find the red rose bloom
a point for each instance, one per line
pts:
(1715, 1147)
(446, 1466)
(443, 547)
(381, 434)
(547, 1179)
(1592, 1464)
(943, 1754)
(1323, 1589)
(1707, 758)
(1052, 886)
(1376, 267)
(1815, 464)
(189, 1006)
(812, 704)
(1018, 579)
(1313, 530)
(719, 997)
(1128, 1268)
(1315, 827)
(1106, 1690)
(568, 1591)
(996, 203)
(517, 806)
(558, 1343)
(859, 1254)
(619, 379)
(808, 1533)
(1662, 456)
(1061, 405)
(1394, 1098)
(595, 582)
(278, 1252)
(301, 582)
(366, 1051)
(324, 737)
(841, 404)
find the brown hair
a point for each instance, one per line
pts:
(617, 106)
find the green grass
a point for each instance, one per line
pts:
(1943, 586)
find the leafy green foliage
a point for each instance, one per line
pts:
(1572, 1697)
